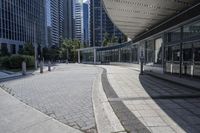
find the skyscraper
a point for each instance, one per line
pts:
(19, 20)
(78, 16)
(68, 26)
(101, 25)
(59, 21)
(86, 23)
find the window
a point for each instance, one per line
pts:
(158, 51)
(174, 35)
(187, 52)
(176, 53)
(197, 51)
(191, 30)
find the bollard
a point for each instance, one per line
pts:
(67, 61)
(23, 68)
(49, 66)
(41, 66)
(141, 65)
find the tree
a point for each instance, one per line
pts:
(28, 49)
(69, 48)
(106, 40)
(65, 49)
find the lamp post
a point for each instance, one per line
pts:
(35, 45)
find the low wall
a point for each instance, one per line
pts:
(150, 68)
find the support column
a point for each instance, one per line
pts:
(79, 57)
(95, 56)
(131, 53)
(181, 53)
(119, 55)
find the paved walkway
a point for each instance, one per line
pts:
(17, 117)
(147, 104)
(6, 75)
(64, 94)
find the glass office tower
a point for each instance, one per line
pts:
(86, 24)
(17, 21)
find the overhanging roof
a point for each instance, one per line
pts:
(134, 17)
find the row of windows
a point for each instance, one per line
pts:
(17, 20)
(189, 31)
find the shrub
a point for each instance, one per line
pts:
(15, 61)
(5, 61)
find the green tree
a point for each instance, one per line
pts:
(106, 40)
(69, 48)
(28, 49)
(66, 46)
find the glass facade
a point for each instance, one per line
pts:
(100, 25)
(182, 52)
(17, 22)
(176, 51)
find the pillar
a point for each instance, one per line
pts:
(79, 57)
(95, 56)
(119, 55)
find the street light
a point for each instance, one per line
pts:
(35, 45)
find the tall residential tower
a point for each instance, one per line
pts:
(101, 25)
(59, 21)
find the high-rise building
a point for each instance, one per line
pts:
(59, 21)
(78, 16)
(19, 21)
(68, 26)
(101, 25)
(86, 23)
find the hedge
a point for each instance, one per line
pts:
(15, 61)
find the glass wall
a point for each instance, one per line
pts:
(87, 56)
(158, 51)
(191, 30)
(182, 50)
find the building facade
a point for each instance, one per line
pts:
(59, 21)
(101, 25)
(78, 16)
(19, 21)
(171, 46)
(86, 24)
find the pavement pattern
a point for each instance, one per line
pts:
(17, 117)
(147, 104)
(64, 94)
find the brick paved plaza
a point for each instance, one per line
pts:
(64, 94)
(132, 102)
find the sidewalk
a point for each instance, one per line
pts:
(147, 104)
(6, 76)
(17, 117)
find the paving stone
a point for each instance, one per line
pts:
(64, 94)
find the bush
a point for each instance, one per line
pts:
(5, 61)
(15, 61)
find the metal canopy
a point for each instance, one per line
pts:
(134, 17)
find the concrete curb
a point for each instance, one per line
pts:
(106, 119)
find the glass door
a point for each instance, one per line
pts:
(196, 54)
(187, 63)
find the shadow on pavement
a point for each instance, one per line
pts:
(180, 103)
